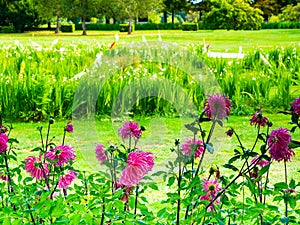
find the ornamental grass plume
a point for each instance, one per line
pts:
(217, 107)
(278, 142)
(139, 164)
(65, 181)
(193, 147)
(100, 154)
(258, 119)
(3, 142)
(130, 129)
(296, 106)
(62, 154)
(36, 168)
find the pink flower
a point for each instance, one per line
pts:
(65, 181)
(3, 177)
(3, 129)
(258, 119)
(211, 188)
(296, 106)
(261, 162)
(278, 142)
(193, 147)
(62, 154)
(130, 129)
(100, 155)
(36, 167)
(3, 142)
(230, 132)
(217, 107)
(69, 127)
(139, 164)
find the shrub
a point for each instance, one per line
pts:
(189, 26)
(7, 29)
(158, 26)
(281, 25)
(95, 26)
(125, 27)
(67, 28)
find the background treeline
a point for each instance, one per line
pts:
(21, 15)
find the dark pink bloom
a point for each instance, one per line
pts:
(258, 119)
(61, 154)
(278, 142)
(130, 129)
(3, 142)
(36, 167)
(191, 146)
(217, 107)
(229, 132)
(66, 180)
(296, 106)
(100, 154)
(3, 177)
(69, 127)
(139, 164)
(211, 188)
(261, 162)
(3, 129)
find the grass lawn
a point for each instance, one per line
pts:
(219, 40)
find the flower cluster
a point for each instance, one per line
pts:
(61, 155)
(130, 130)
(3, 142)
(66, 180)
(138, 165)
(258, 119)
(100, 153)
(260, 162)
(193, 147)
(217, 107)
(211, 187)
(36, 167)
(278, 142)
(296, 106)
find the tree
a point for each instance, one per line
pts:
(174, 6)
(83, 9)
(201, 6)
(233, 14)
(21, 14)
(53, 8)
(291, 13)
(110, 9)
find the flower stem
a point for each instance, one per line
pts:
(136, 198)
(178, 201)
(286, 203)
(103, 211)
(64, 137)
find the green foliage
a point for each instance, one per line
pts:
(291, 13)
(7, 29)
(235, 14)
(96, 26)
(67, 28)
(125, 27)
(158, 26)
(189, 26)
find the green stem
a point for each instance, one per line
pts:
(286, 202)
(136, 198)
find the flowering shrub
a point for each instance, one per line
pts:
(47, 189)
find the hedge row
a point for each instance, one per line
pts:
(281, 25)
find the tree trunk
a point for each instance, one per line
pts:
(57, 24)
(173, 16)
(129, 27)
(106, 20)
(83, 26)
(165, 17)
(49, 25)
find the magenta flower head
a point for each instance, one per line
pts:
(258, 119)
(130, 129)
(66, 180)
(217, 107)
(36, 168)
(261, 162)
(278, 142)
(211, 187)
(100, 153)
(230, 132)
(61, 154)
(139, 164)
(3, 129)
(69, 127)
(3, 142)
(193, 147)
(296, 106)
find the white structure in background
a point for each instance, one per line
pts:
(227, 55)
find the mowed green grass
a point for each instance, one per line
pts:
(219, 40)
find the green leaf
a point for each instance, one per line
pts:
(281, 185)
(251, 185)
(263, 170)
(292, 202)
(294, 144)
(292, 183)
(233, 159)
(171, 181)
(229, 166)
(285, 220)
(161, 213)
